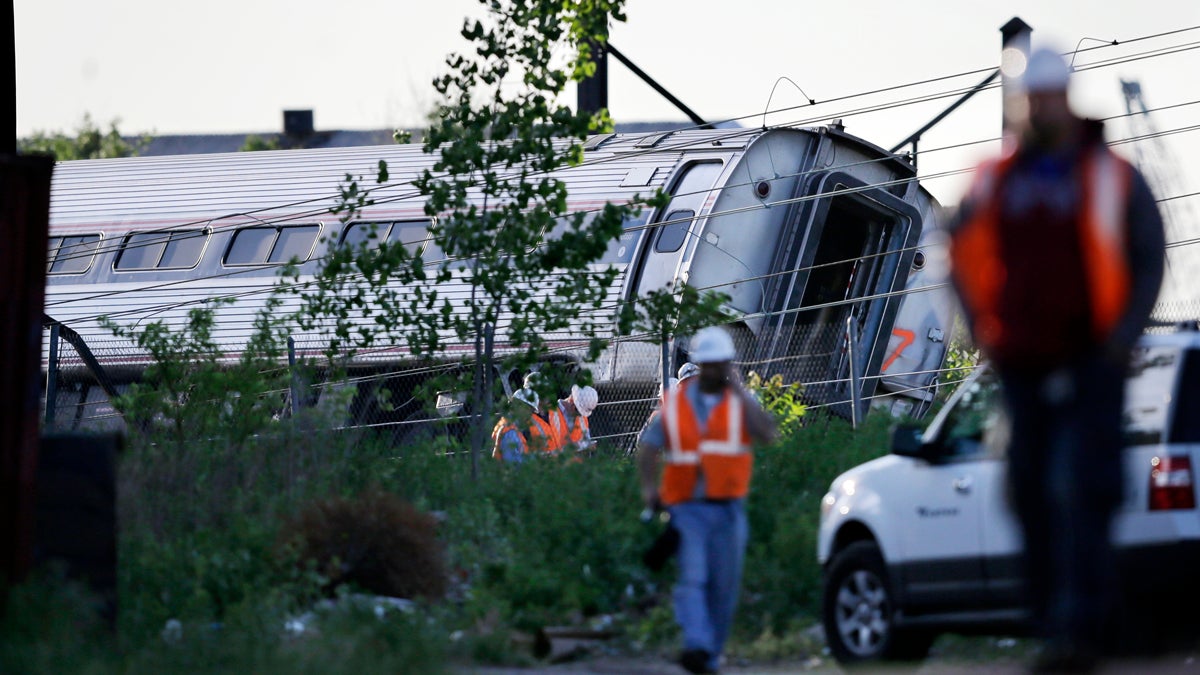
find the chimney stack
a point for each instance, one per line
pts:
(298, 123)
(1014, 54)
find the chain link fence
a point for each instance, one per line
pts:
(82, 379)
(385, 394)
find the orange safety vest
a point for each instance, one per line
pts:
(541, 434)
(980, 271)
(721, 450)
(572, 434)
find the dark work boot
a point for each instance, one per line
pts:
(696, 661)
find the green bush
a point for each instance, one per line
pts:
(782, 578)
(52, 625)
(545, 543)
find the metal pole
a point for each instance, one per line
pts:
(666, 363)
(916, 135)
(696, 119)
(855, 397)
(52, 377)
(291, 347)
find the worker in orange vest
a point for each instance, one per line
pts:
(523, 431)
(1057, 255)
(704, 430)
(570, 418)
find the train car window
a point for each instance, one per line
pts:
(432, 253)
(161, 250)
(358, 233)
(141, 251)
(271, 245)
(621, 249)
(251, 245)
(412, 235)
(294, 242)
(562, 224)
(673, 232)
(184, 249)
(72, 255)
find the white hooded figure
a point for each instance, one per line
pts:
(570, 418)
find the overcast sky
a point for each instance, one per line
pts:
(234, 65)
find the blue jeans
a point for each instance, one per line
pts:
(1065, 483)
(712, 546)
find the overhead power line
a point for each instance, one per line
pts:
(290, 217)
(805, 198)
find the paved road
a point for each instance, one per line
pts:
(659, 666)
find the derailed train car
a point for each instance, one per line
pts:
(826, 244)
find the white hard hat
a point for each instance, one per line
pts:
(585, 399)
(532, 378)
(687, 370)
(526, 396)
(712, 345)
(1045, 71)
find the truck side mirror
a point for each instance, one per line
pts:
(906, 442)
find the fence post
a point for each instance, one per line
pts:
(855, 394)
(52, 378)
(666, 362)
(294, 406)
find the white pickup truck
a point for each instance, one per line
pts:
(921, 541)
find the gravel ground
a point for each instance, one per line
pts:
(985, 665)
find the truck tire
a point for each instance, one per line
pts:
(857, 610)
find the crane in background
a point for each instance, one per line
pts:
(1156, 163)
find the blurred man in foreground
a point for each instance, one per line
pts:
(1057, 255)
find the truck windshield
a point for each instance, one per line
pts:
(1148, 394)
(1185, 423)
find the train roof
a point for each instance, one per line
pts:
(246, 187)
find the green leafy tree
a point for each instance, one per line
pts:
(961, 358)
(502, 216)
(191, 390)
(254, 143)
(781, 399)
(89, 142)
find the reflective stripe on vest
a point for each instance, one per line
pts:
(721, 452)
(502, 427)
(980, 271)
(568, 434)
(542, 436)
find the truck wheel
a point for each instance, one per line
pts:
(857, 610)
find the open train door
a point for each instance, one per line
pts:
(838, 282)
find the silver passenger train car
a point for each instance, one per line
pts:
(826, 244)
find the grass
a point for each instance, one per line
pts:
(207, 579)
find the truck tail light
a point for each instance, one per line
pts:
(1171, 484)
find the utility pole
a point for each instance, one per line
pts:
(592, 93)
(10, 108)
